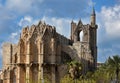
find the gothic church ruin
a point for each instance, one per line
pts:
(42, 52)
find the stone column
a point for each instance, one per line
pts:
(40, 61)
(8, 76)
(28, 63)
(27, 74)
(18, 67)
(53, 60)
(18, 75)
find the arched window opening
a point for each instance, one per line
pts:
(81, 36)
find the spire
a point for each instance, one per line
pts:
(80, 22)
(93, 17)
(93, 11)
(72, 22)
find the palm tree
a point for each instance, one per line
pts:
(114, 64)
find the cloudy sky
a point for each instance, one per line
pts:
(16, 14)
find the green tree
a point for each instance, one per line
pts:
(114, 64)
(108, 72)
(75, 69)
(101, 75)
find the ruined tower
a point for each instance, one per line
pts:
(84, 38)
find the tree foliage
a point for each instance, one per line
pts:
(113, 63)
(106, 73)
(75, 69)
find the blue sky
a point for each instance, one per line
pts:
(15, 14)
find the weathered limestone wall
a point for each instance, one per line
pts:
(14, 49)
(81, 52)
(7, 53)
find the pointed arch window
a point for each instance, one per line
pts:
(81, 36)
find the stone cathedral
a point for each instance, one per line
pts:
(42, 52)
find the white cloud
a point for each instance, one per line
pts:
(27, 21)
(62, 25)
(110, 17)
(91, 3)
(21, 5)
(14, 34)
(108, 20)
(14, 37)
